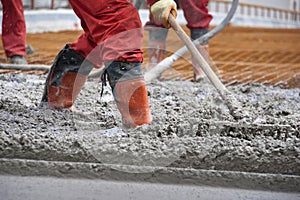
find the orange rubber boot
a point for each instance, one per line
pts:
(132, 102)
(65, 80)
(130, 93)
(67, 92)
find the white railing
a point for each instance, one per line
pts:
(49, 4)
(223, 6)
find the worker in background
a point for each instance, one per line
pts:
(198, 20)
(14, 31)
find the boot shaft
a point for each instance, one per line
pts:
(130, 92)
(65, 79)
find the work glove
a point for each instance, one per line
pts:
(161, 9)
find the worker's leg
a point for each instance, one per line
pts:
(156, 46)
(113, 38)
(198, 18)
(157, 40)
(204, 51)
(14, 31)
(69, 71)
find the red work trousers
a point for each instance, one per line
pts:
(13, 28)
(112, 31)
(195, 13)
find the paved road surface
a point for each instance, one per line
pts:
(46, 188)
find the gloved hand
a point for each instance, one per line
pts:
(161, 9)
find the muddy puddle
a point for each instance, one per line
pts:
(191, 127)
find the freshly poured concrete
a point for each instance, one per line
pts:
(191, 129)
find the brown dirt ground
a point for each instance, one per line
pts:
(240, 55)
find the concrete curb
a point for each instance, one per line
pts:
(165, 175)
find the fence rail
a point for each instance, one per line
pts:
(255, 10)
(48, 4)
(52, 4)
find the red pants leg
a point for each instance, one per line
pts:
(112, 31)
(196, 13)
(13, 28)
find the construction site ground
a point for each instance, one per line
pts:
(192, 141)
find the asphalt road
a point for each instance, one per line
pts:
(46, 188)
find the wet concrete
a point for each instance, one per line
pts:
(191, 128)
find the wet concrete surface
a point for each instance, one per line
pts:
(191, 128)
